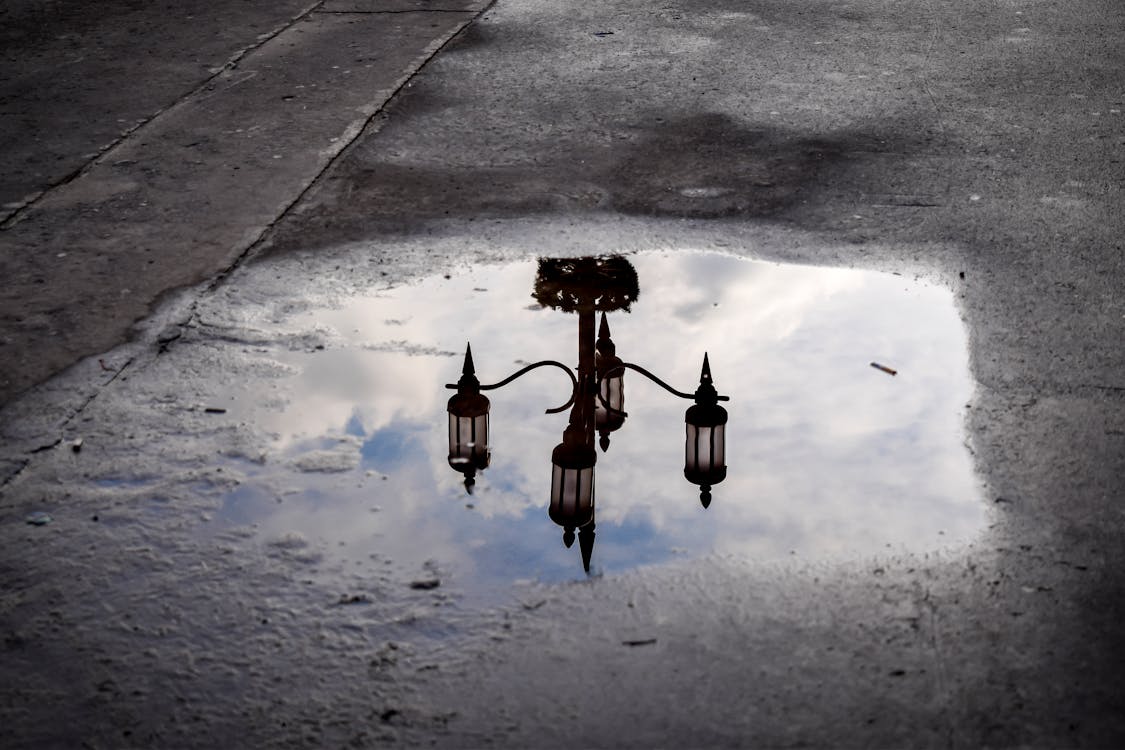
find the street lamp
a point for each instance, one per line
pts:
(596, 403)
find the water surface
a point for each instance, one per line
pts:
(828, 457)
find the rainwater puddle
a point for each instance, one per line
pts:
(827, 457)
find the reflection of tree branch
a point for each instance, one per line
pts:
(605, 284)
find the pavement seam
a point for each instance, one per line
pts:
(361, 131)
(245, 246)
(15, 474)
(392, 12)
(65, 424)
(17, 214)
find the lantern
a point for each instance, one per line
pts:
(572, 482)
(468, 425)
(609, 404)
(705, 446)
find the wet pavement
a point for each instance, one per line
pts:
(241, 528)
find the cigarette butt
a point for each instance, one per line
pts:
(884, 368)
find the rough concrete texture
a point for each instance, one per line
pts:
(977, 145)
(118, 198)
(79, 77)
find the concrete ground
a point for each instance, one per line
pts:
(977, 145)
(149, 146)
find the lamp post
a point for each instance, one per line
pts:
(596, 402)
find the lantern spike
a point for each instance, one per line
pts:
(706, 393)
(568, 536)
(586, 544)
(705, 496)
(468, 369)
(705, 374)
(605, 345)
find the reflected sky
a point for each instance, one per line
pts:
(828, 457)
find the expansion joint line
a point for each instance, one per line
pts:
(15, 474)
(18, 213)
(77, 412)
(390, 12)
(340, 155)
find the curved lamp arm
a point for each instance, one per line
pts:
(651, 377)
(529, 368)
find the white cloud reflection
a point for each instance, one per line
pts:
(827, 456)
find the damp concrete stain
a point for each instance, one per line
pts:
(828, 457)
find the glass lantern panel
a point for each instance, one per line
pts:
(613, 393)
(718, 445)
(468, 436)
(586, 490)
(478, 435)
(699, 447)
(689, 448)
(557, 488)
(571, 495)
(454, 434)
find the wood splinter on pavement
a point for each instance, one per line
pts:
(884, 368)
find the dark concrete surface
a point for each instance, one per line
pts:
(77, 77)
(978, 145)
(151, 145)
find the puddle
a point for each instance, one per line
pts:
(827, 457)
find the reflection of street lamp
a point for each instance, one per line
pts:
(609, 414)
(572, 488)
(572, 480)
(468, 424)
(597, 399)
(705, 447)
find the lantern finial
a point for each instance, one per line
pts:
(706, 394)
(468, 368)
(605, 344)
(468, 382)
(586, 544)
